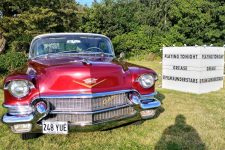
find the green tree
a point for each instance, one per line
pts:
(199, 22)
(22, 20)
(111, 17)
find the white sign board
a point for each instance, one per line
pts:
(193, 69)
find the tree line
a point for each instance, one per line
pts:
(135, 26)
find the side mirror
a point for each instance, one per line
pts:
(122, 56)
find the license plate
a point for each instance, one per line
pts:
(57, 127)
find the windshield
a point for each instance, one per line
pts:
(67, 44)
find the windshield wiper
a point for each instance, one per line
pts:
(67, 52)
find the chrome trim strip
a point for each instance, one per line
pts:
(17, 119)
(89, 112)
(19, 109)
(14, 106)
(93, 95)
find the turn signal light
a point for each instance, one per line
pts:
(21, 128)
(146, 114)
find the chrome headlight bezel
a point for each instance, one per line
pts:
(147, 80)
(19, 88)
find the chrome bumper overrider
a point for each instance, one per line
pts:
(142, 105)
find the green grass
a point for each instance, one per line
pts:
(200, 124)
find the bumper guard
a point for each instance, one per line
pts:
(145, 106)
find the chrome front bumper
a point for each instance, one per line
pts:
(145, 106)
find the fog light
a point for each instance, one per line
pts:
(146, 114)
(41, 107)
(21, 128)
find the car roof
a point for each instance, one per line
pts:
(69, 33)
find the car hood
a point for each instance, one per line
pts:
(59, 76)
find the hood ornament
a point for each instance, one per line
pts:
(85, 61)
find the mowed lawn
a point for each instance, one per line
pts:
(186, 121)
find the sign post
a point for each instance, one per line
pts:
(193, 69)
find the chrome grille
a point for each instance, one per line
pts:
(71, 118)
(114, 114)
(87, 104)
(86, 111)
(79, 119)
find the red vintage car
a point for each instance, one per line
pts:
(73, 81)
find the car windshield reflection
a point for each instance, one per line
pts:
(71, 45)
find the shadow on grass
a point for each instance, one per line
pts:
(180, 136)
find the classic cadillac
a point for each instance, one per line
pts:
(73, 82)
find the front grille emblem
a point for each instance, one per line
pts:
(108, 100)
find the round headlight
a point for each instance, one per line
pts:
(146, 80)
(19, 88)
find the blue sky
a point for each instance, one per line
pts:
(83, 2)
